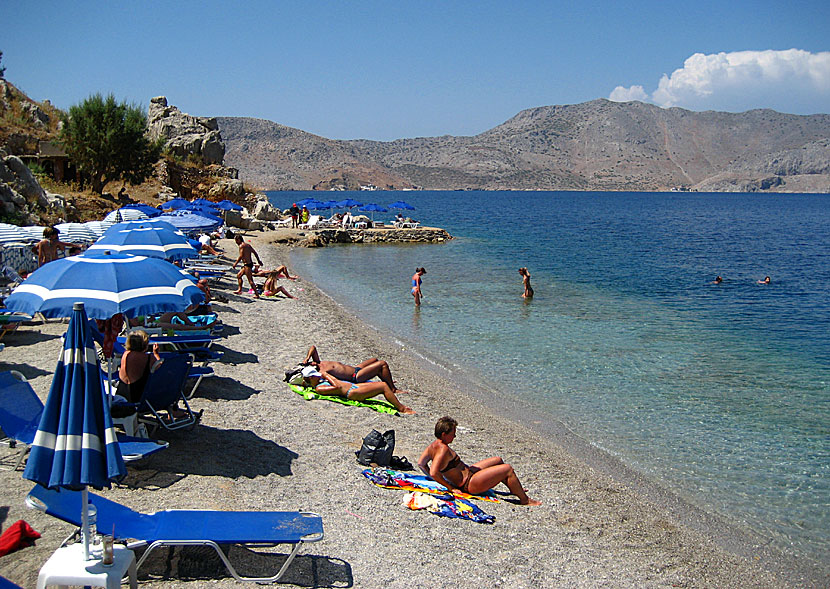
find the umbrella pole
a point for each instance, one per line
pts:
(85, 521)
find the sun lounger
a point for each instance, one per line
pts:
(165, 387)
(20, 411)
(188, 527)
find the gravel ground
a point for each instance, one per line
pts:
(262, 447)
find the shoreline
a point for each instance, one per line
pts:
(262, 447)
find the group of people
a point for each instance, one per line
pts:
(247, 253)
(766, 280)
(418, 294)
(439, 461)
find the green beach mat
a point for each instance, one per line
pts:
(379, 405)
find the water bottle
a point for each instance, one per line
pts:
(92, 519)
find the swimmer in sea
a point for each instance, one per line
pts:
(766, 280)
(528, 293)
(440, 462)
(416, 285)
(718, 280)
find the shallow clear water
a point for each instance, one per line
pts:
(720, 391)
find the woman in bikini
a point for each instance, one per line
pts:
(528, 293)
(416, 285)
(136, 366)
(447, 468)
(324, 383)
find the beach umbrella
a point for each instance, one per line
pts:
(13, 233)
(76, 233)
(373, 208)
(144, 208)
(175, 203)
(191, 222)
(98, 227)
(107, 283)
(401, 205)
(349, 203)
(203, 210)
(204, 201)
(123, 214)
(35, 232)
(75, 445)
(305, 201)
(155, 239)
(226, 205)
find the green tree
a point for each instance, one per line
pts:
(108, 141)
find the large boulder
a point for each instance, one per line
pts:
(185, 135)
(265, 211)
(25, 182)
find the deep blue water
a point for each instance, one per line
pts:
(722, 392)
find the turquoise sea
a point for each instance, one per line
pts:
(720, 393)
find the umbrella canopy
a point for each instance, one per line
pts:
(349, 203)
(188, 221)
(204, 201)
(123, 214)
(203, 210)
(75, 444)
(226, 205)
(35, 232)
(76, 233)
(175, 203)
(13, 233)
(318, 206)
(151, 238)
(306, 201)
(144, 208)
(98, 227)
(107, 284)
(373, 208)
(401, 205)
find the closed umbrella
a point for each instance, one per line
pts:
(107, 283)
(123, 214)
(75, 233)
(75, 445)
(152, 238)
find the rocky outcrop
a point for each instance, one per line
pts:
(21, 196)
(420, 235)
(185, 135)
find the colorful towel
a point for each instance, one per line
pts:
(380, 405)
(393, 479)
(459, 508)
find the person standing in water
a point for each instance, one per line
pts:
(528, 293)
(416, 285)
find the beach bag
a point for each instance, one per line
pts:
(377, 448)
(294, 375)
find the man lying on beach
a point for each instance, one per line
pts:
(362, 372)
(246, 255)
(325, 383)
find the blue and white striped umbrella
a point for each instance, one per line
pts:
(107, 283)
(125, 215)
(75, 445)
(75, 233)
(35, 232)
(191, 222)
(12, 233)
(98, 227)
(152, 238)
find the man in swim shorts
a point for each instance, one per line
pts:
(246, 255)
(362, 372)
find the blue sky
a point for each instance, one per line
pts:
(387, 70)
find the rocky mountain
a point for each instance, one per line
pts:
(597, 145)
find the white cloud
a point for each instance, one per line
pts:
(792, 81)
(621, 94)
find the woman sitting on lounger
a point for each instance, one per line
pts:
(448, 469)
(325, 384)
(136, 366)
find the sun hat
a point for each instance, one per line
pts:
(310, 371)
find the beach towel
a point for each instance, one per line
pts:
(394, 479)
(458, 508)
(18, 535)
(380, 405)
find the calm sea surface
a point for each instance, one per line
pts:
(720, 392)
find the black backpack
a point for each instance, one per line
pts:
(377, 448)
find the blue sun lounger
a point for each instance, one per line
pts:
(188, 527)
(20, 411)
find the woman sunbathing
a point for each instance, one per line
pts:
(326, 384)
(448, 469)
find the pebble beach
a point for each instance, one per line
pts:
(260, 446)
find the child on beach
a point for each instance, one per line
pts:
(447, 468)
(416, 285)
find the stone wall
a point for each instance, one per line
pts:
(420, 235)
